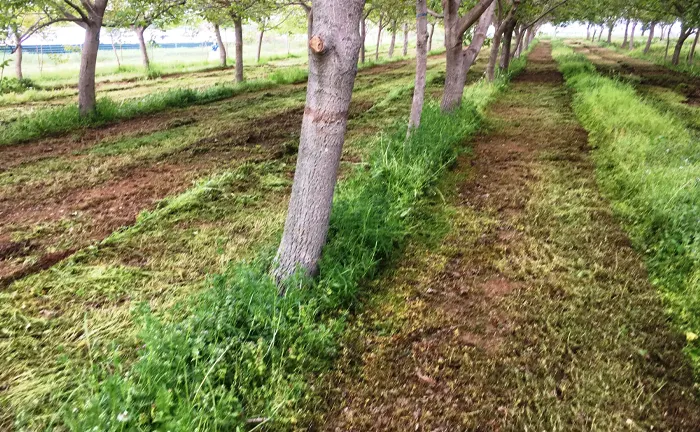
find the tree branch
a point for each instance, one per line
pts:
(472, 16)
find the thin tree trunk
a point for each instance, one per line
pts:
(691, 55)
(627, 29)
(379, 38)
(363, 36)
(588, 31)
(685, 33)
(430, 38)
(116, 54)
(528, 39)
(495, 47)
(87, 100)
(18, 59)
(238, 29)
(650, 40)
(610, 31)
(333, 56)
(142, 45)
(631, 45)
(600, 35)
(392, 45)
(260, 41)
(507, 41)
(405, 39)
(421, 64)
(668, 42)
(474, 48)
(222, 48)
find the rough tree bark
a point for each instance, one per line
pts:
(430, 38)
(631, 43)
(87, 99)
(222, 47)
(379, 37)
(392, 45)
(686, 31)
(333, 55)
(238, 30)
(405, 39)
(260, 41)
(455, 27)
(651, 38)
(421, 64)
(145, 61)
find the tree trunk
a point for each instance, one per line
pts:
(238, 29)
(392, 45)
(588, 32)
(668, 42)
(18, 59)
(405, 39)
(309, 23)
(595, 30)
(87, 99)
(507, 41)
(421, 64)
(691, 55)
(333, 56)
(116, 54)
(631, 45)
(600, 35)
(651, 38)
(610, 31)
(627, 29)
(474, 48)
(363, 36)
(430, 38)
(379, 38)
(528, 39)
(495, 46)
(222, 48)
(685, 33)
(139, 30)
(260, 41)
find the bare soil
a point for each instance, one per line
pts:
(498, 326)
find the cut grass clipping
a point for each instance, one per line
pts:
(649, 166)
(242, 355)
(54, 121)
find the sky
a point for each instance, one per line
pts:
(73, 34)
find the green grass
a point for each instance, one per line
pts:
(53, 121)
(657, 54)
(649, 166)
(241, 351)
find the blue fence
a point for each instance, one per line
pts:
(63, 49)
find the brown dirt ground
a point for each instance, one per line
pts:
(478, 337)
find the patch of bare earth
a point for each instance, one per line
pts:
(533, 313)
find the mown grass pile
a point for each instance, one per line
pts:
(52, 121)
(243, 355)
(649, 166)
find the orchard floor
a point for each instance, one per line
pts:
(530, 312)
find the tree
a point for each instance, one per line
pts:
(456, 25)
(333, 54)
(139, 15)
(421, 64)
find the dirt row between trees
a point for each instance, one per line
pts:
(533, 312)
(46, 219)
(648, 74)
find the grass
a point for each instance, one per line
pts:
(54, 121)
(241, 352)
(657, 54)
(166, 260)
(649, 166)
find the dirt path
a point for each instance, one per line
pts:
(533, 313)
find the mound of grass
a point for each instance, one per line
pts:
(242, 355)
(14, 85)
(53, 121)
(649, 166)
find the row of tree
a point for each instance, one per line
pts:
(654, 16)
(336, 31)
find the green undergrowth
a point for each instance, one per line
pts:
(657, 55)
(241, 357)
(53, 121)
(649, 166)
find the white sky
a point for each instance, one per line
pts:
(73, 35)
